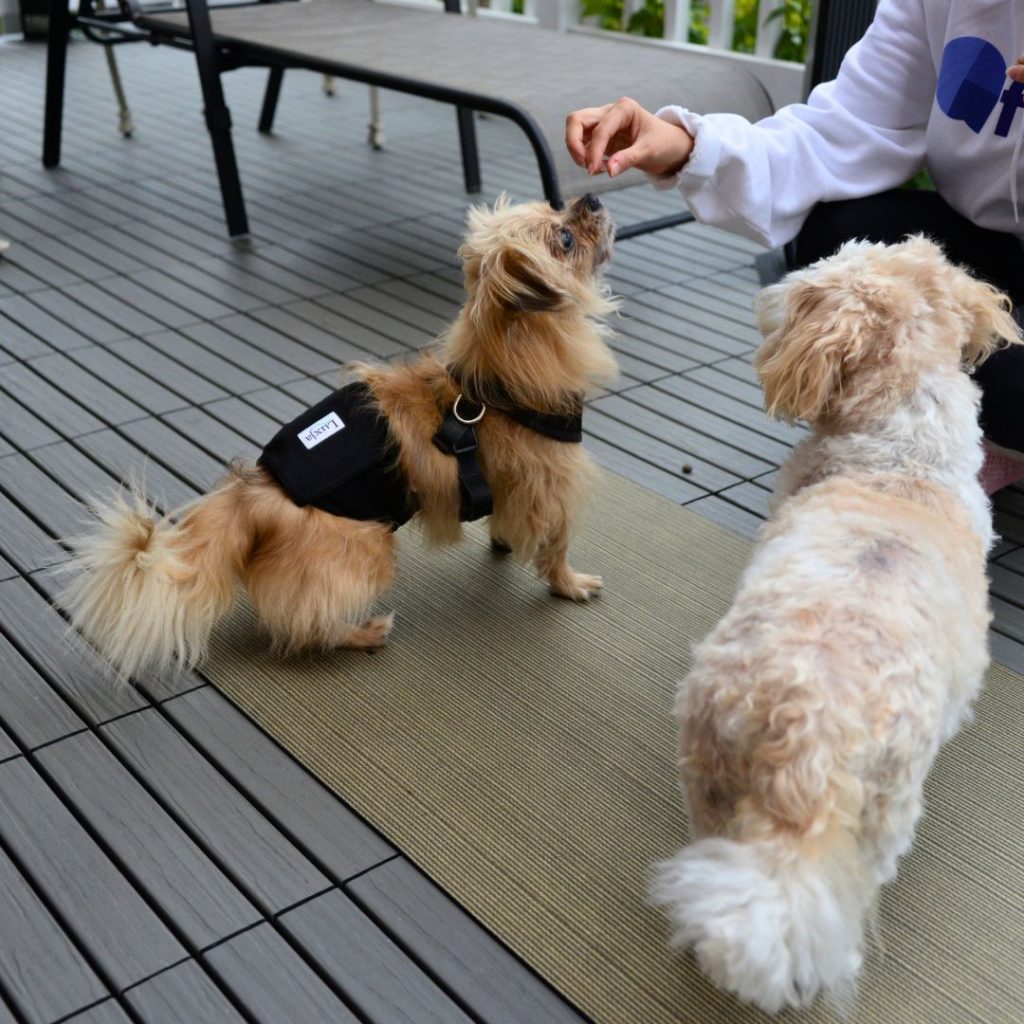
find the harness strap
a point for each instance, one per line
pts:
(566, 426)
(457, 437)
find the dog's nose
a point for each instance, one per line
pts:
(591, 202)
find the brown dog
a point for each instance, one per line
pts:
(310, 542)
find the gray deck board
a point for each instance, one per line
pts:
(8, 748)
(384, 985)
(33, 711)
(23, 541)
(274, 983)
(339, 840)
(41, 495)
(89, 389)
(67, 661)
(138, 341)
(107, 1012)
(101, 908)
(258, 857)
(43, 972)
(180, 878)
(467, 960)
(185, 994)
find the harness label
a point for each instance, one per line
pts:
(330, 425)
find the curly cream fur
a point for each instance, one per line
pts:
(149, 589)
(857, 638)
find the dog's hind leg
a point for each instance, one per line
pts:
(314, 583)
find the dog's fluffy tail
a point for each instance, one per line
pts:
(771, 923)
(147, 590)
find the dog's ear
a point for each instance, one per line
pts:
(515, 280)
(990, 324)
(801, 360)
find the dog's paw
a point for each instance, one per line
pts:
(372, 634)
(500, 548)
(577, 586)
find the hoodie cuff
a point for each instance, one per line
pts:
(703, 159)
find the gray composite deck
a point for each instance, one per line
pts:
(161, 859)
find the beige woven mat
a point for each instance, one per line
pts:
(519, 749)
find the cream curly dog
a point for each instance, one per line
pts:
(858, 636)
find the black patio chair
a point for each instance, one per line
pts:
(530, 75)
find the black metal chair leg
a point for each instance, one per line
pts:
(467, 143)
(56, 59)
(270, 100)
(218, 117)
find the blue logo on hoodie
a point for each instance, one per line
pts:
(971, 84)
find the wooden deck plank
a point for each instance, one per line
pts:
(380, 981)
(297, 356)
(70, 665)
(273, 983)
(32, 710)
(60, 415)
(23, 541)
(108, 1012)
(19, 343)
(153, 439)
(94, 468)
(462, 955)
(726, 514)
(348, 344)
(224, 442)
(177, 373)
(259, 858)
(339, 840)
(99, 905)
(185, 994)
(78, 323)
(192, 891)
(40, 968)
(87, 388)
(46, 500)
(8, 748)
(147, 390)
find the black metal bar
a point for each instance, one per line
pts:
(655, 224)
(270, 99)
(56, 61)
(218, 117)
(467, 128)
(467, 145)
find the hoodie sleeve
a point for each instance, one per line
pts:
(858, 135)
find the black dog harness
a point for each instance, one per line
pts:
(339, 455)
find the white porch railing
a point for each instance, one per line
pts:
(784, 80)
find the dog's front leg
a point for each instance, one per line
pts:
(563, 580)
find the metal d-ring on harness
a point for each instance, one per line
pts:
(457, 437)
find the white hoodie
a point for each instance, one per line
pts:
(925, 87)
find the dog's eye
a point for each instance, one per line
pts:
(568, 240)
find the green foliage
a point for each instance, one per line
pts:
(921, 181)
(796, 24)
(649, 20)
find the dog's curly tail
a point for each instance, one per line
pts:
(768, 921)
(148, 589)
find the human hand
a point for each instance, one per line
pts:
(625, 135)
(1016, 71)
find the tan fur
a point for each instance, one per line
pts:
(857, 638)
(148, 590)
